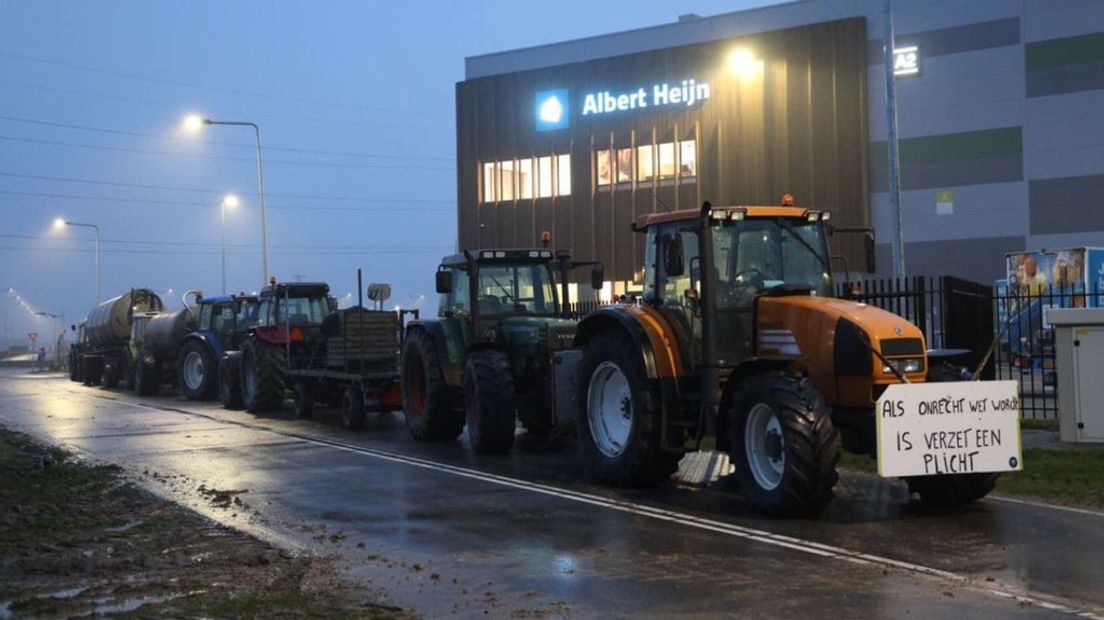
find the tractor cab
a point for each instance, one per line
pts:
(224, 319)
(291, 313)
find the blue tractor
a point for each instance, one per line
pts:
(220, 327)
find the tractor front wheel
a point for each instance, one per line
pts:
(262, 376)
(783, 444)
(198, 378)
(489, 401)
(230, 389)
(618, 418)
(429, 404)
(147, 375)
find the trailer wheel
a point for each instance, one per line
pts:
(147, 375)
(783, 444)
(92, 369)
(953, 489)
(352, 408)
(112, 376)
(197, 371)
(429, 404)
(489, 401)
(230, 389)
(304, 398)
(74, 368)
(262, 376)
(618, 417)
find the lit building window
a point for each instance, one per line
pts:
(688, 158)
(544, 177)
(508, 179)
(563, 172)
(624, 166)
(525, 179)
(645, 163)
(666, 160)
(490, 188)
(605, 167)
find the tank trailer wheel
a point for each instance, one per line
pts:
(954, 489)
(197, 371)
(112, 376)
(618, 418)
(352, 408)
(783, 444)
(304, 399)
(230, 388)
(489, 401)
(92, 370)
(147, 375)
(429, 404)
(74, 368)
(262, 377)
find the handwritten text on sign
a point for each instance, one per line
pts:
(949, 428)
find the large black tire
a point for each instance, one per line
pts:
(262, 376)
(147, 375)
(640, 459)
(198, 371)
(429, 404)
(113, 373)
(92, 369)
(352, 408)
(230, 388)
(489, 401)
(304, 398)
(74, 368)
(953, 489)
(788, 466)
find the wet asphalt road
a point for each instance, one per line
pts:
(440, 530)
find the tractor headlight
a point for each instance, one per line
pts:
(905, 366)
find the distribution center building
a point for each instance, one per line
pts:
(1000, 110)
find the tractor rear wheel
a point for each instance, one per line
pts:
(147, 375)
(352, 408)
(198, 378)
(230, 389)
(91, 369)
(262, 376)
(953, 489)
(618, 416)
(489, 401)
(429, 404)
(304, 398)
(783, 444)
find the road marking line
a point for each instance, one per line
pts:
(1034, 504)
(762, 536)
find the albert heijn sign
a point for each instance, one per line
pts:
(553, 107)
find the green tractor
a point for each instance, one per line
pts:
(487, 360)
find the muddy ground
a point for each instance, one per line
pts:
(78, 539)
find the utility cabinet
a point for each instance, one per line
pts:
(1079, 336)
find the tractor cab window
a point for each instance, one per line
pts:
(510, 289)
(249, 314)
(459, 300)
(223, 322)
(302, 310)
(205, 316)
(756, 255)
(679, 283)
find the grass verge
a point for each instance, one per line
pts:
(80, 540)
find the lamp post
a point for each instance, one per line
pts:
(62, 223)
(229, 201)
(194, 123)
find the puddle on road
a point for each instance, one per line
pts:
(127, 605)
(64, 594)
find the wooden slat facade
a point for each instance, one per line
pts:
(799, 128)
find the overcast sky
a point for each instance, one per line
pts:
(355, 101)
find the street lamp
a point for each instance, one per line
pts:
(230, 201)
(193, 123)
(60, 223)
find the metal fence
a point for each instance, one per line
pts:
(1010, 325)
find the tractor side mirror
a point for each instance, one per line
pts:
(444, 282)
(331, 303)
(673, 261)
(868, 251)
(597, 277)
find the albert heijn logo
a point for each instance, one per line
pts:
(552, 109)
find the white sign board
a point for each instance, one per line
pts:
(906, 60)
(955, 427)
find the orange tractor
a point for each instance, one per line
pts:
(739, 340)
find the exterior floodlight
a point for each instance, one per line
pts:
(743, 63)
(193, 123)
